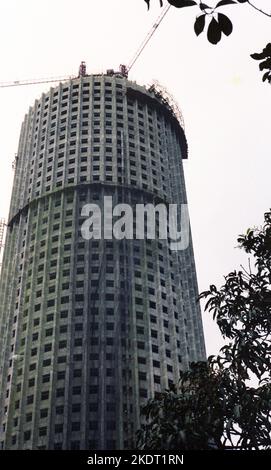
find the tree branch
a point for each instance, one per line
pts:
(258, 9)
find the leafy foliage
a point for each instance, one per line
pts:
(182, 3)
(214, 404)
(265, 56)
(218, 24)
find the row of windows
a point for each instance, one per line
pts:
(108, 168)
(81, 284)
(74, 96)
(75, 426)
(110, 326)
(142, 128)
(108, 161)
(95, 254)
(93, 390)
(156, 187)
(77, 373)
(110, 312)
(74, 445)
(96, 114)
(77, 389)
(78, 357)
(140, 162)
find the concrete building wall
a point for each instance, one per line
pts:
(91, 329)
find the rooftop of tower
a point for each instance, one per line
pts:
(155, 89)
(153, 94)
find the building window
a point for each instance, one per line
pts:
(42, 431)
(58, 428)
(44, 413)
(27, 435)
(75, 445)
(59, 410)
(28, 417)
(76, 407)
(76, 426)
(30, 399)
(44, 395)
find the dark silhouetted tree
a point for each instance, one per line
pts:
(225, 401)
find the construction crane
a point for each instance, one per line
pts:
(124, 70)
(148, 37)
(34, 81)
(81, 73)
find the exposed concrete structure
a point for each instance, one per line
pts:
(90, 329)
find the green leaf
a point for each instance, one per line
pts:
(213, 288)
(266, 76)
(148, 3)
(225, 24)
(267, 50)
(259, 56)
(213, 401)
(182, 3)
(214, 32)
(199, 24)
(224, 2)
(203, 6)
(266, 64)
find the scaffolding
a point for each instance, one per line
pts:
(2, 234)
(15, 161)
(82, 69)
(167, 99)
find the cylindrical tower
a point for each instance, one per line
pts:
(91, 328)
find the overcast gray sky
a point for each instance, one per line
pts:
(225, 105)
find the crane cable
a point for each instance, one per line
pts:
(148, 37)
(131, 64)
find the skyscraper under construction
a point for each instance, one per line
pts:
(89, 329)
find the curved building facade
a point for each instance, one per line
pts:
(92, 328)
